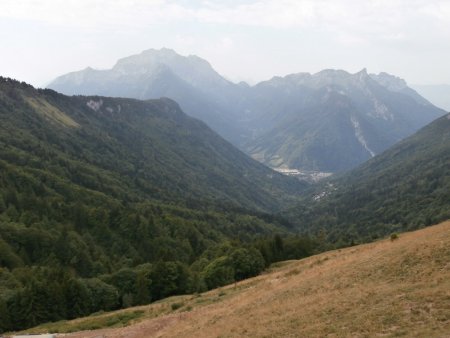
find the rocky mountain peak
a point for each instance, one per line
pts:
(391, 82)
(192, 69)
(362, 75)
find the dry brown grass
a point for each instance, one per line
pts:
(51, 112)
(385, 289)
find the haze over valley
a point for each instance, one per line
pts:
(328, 122)
(249, 168)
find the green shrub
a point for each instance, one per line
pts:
(176, 306)
(394, 237)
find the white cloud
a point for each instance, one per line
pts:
(350, 20)
(312, 33)
(89, 13)
(350, 16)
(271, 13)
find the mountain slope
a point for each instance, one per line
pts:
(406, 187)
(398, 85)
(332, 121)
(388, 288)
(329, 137)
(190, 81)
(150, 148)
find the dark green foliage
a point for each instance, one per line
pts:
(277, 248)
(394, 237)
(169, 278)
(234, 261)
(176, 306)
(103, 296)
(246, 263)
(5, 319)
(219, 272)
(125, 281)
(8, 257)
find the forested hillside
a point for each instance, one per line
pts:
(407, 187)
(107, 203)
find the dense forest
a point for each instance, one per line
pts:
(108, 203)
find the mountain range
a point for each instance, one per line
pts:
(332, 121)
(329, 121)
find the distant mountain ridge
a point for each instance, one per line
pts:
(328, 121)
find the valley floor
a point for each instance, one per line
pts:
(383, 289)
(304, 175)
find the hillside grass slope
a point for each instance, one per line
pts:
(390, 288)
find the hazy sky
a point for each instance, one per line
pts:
(243, 39)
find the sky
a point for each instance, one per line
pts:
(250, 40)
